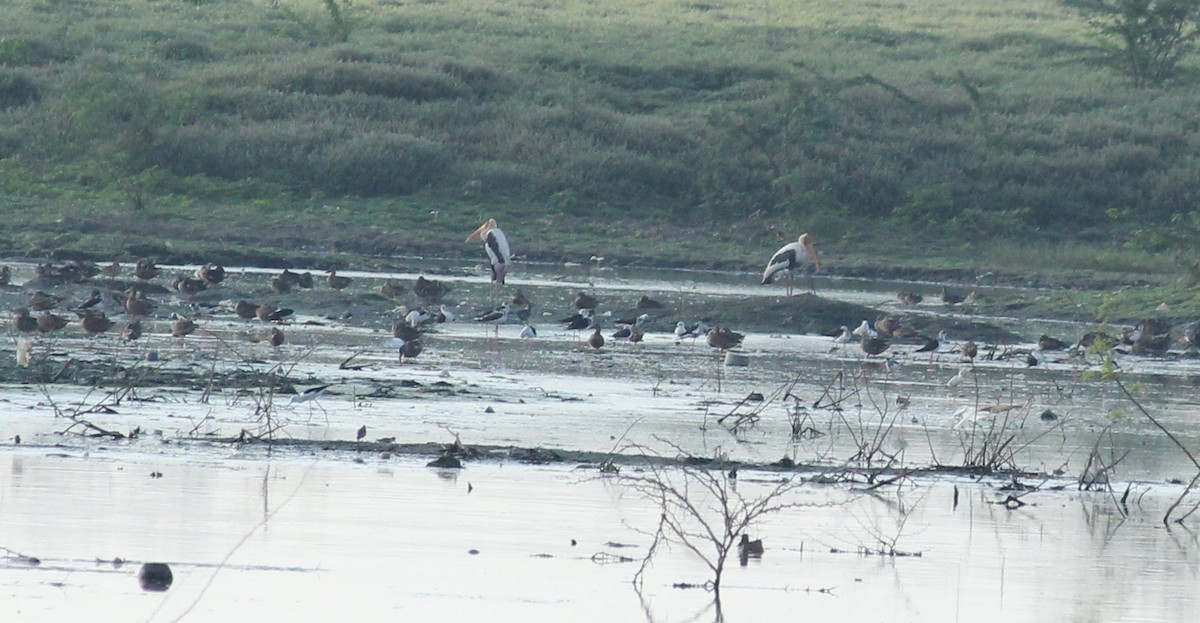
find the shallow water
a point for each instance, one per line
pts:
(252, 538)
(362, 534)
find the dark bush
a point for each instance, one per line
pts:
(411, 83)
(17, 89)
(19, 52)
(377, 164)
(184, 50)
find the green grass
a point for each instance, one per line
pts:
(951, 134)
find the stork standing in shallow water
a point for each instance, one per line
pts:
(789, 258)
(496, 244)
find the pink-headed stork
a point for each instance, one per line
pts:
(789, 258)
(496, 244)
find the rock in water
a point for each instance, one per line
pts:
(155, 576)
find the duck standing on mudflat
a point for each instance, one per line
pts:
(23, 322)
(145, 269)
(95, 322)
(596, 340)
(724, 339)
(338, 282)
(48, 322)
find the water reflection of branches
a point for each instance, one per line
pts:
(702, 509)
(868, 431)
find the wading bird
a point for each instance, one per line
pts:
(309, 394)
(873, 345)
(496, 316)
(789, 258)
(931, 345)
(496, 244)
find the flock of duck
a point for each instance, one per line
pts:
(410, 323)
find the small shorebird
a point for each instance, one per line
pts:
(309, 394)
(496, 316)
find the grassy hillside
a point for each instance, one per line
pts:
(937, 132)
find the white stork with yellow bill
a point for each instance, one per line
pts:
(496, 244)
(789, 258)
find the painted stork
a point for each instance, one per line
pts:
(789, 259)
(496, 244)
